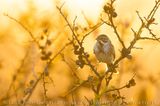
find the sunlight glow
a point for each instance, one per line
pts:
(90, 8)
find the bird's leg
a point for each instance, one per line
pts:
(111, 68)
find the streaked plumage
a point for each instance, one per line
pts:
(104, 50)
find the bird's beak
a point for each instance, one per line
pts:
(101, 42)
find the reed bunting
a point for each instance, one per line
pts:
(104, 50)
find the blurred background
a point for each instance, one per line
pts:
(20, 57)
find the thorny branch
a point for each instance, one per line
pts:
(110, 11)
(43, 73)
(78, 41)
(14, 79)
(27, 97)
(44, 89)
(137, 36)
(69, 65)
(126, 51)
(83, 56)
(24, 27)
(128, 85)
(92, 30)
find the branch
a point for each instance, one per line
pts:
(111, 16)
(153, 11)
(78, 41)
(147, 38)
(24, 27)
(128, 85)
(92, 30)
(125, 53)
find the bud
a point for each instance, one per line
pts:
(31, 82)
(114, 14)
(114, 95)
(81, 50)
(76, 52)
(151, 20)
(106, 9)
(129, 56)
(49, 42)
(49, 53)
(76, 47)
(132, 82)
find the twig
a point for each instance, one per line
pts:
(153, 11)
(24, 27)
(75, 88)
(147, 38)
(44, 89)
(49, 62)
(40, 77)
(73, 71)
(93, 29)
(126, 51)
(113, 25)
(51, 59)
(78, 41)
(125, 86)
(74, 22)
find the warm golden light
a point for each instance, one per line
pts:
(50, 54)
(85, 9)
(90, 8)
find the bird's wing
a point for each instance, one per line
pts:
(96, 48)
(109, 51)
(113, 51)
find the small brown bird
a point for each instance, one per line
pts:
(104, 50)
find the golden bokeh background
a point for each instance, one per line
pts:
(20, 56)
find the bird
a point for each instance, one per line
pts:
(104, 50)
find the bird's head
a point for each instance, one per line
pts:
(102, 39)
